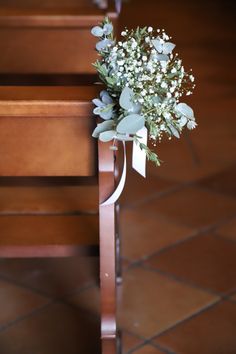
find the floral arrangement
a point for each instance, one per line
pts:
(144, 83)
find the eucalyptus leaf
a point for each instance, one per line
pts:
(126, 101)
(156, 99)
(163, 48)
(106, 98)
(107, 29)
(136, 108)
(168, 47)
(174, 131)
(126, 98)
(182, 121)
(158, 45)
(107, 135)
(162, 57)
(98, 102)
(97, 31)
(97, 111)
(103, 44)
(102, 127)
(106, 114)
(185, 110)
(131, 124)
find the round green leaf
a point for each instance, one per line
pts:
(174, 131)
(97, 31)
(126, 98)
(102, 127)
(168, 47)
(185, 110)
(130, 124)
(107, 136)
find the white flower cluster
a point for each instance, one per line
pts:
(143, 67)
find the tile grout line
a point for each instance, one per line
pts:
(202, 229)
(29, 315)
(183, 281)
(164, 249)
(43, 293)
(221, 296)
(162, 348)
(194, 234)
(158, 195)
(24, 286)
(176, 188)
(184, 320)
(148, 342)
(214, 191)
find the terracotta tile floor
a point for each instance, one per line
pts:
(178, 227)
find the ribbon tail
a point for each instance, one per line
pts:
(116, 194)
(139, 156)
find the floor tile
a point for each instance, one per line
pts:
(228, 230)
(182, 161)
(152, 303)
(142, 234)
(53, 276)
(215, 142)
(57, 329)
(193, 207)
(129, 342)
(17, 302)
(211, 332)
(148, 349)
(88, 300)
(207, 261)
(138, 188)
(223, 182)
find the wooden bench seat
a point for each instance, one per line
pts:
(53, 180)
(46, 131)
(49, 37)
(52, 219)
(32, 116)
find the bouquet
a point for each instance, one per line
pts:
(144, 85)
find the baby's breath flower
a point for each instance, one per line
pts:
(143, 63)
(192, 78)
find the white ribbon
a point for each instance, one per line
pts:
(116, 194)
(139, 156)
(138, 163)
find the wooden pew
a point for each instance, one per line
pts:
(49, 36)
(53, 177)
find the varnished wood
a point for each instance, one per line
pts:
(107, 250)
(46, 3)
(48, 199)
(36, 230)
(45, 223)
(46, 131)
(49, 39)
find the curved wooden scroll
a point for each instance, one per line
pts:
(107, 249)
